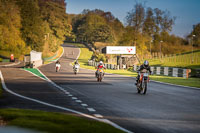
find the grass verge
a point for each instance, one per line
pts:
(86, 54)
(35, 71)
(60, 51)
(54, 122)
(183, 60)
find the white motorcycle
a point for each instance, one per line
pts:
(76, 68)
(58, 67)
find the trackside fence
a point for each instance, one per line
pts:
(168, 71)
(165, 71)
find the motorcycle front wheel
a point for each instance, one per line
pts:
(139, 87)
(145, 87)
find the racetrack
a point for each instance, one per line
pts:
(164, 109)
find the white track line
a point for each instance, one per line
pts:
(78, 101)
(59, 107)
(13, 64)
(98, 115)
(74, 98)
(79, 53)
(84, 105)
(91, 109)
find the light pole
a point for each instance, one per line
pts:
(193, 36)
(160, 48)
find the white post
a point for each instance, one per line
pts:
(152, 69)
(158, 70)
(135, 67)
(175, 72)
(166, 71)
(184, 73)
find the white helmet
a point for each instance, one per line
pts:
(101, 62)
(146, 63)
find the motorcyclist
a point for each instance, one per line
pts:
(58, 64)
(100, 66)
(76, 63)
(144, 66)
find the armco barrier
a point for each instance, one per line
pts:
(108, 66)
(166, 71)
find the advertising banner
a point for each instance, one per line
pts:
(120, 50)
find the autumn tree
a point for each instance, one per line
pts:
(195, 35)
(92, 28)
(10, 25)
(57, 27)
(32, 24)
(147, 24)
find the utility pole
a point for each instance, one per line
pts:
(160, 49)
(150, 45)
(193, 36)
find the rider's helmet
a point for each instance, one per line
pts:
(101, 63)
(57, 62)
(146, 63)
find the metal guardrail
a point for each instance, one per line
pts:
(108, 66)
(165, 71)
(168, 71)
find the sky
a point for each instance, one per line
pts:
(187, 12)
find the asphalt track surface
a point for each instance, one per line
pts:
(164, 109)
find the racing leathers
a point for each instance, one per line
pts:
(141, 68)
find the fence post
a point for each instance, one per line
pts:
(158, 70)
(112, 66)
(175, 72)
(185, 73)
(152, 70)
(166, 71)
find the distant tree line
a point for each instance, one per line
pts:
(43, 25)
(33, 25)
(146, 28)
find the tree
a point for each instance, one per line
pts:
(149, 26)
(195, 35)
(32, 24)
(54, 15)
(10, 24)
(93, 28)
(135, 17)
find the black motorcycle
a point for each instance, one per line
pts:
(143, 82)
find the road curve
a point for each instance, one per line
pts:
(164, 109)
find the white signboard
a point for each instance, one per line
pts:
(120, 50)
(35, 56)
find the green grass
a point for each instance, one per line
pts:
(54, 57)
(179, 60)
(54, 122)
(192, 82)
(35, 71)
